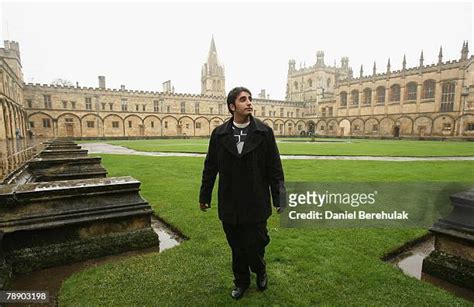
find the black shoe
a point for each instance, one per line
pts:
(262, 282)
(238, 292)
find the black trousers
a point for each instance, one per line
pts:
(247, 242)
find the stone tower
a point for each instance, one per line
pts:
(212, 74)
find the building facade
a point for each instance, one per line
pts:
(13, 116)
(435, 100)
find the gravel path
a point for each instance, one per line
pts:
(104, 148)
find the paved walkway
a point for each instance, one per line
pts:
(104, 148)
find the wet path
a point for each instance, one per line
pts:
(104, 148)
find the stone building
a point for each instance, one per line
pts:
(58, 111)
(435, 100)
(13, 116)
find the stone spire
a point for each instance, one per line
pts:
(212, 74)
(421, 59)
(374, 70)
(440, 55)
(464, 51)
(388, 66)
(404, 63)
(361, 71)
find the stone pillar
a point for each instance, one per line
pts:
(453, 257)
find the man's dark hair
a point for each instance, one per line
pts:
(232, 96)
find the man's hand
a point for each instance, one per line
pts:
(279, 209)
(204, 207)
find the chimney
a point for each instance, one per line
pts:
(102, 82)
(122, 87)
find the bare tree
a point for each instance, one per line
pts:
(63, 82)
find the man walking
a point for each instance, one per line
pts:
(244, 153)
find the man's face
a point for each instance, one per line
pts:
(243, 104)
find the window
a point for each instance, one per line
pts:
(310, 83)
(168, 109)
(343, 99)
(198, 125)
(103, 106)
(329, 111)
(30, 103)
(210, 110)
(187, 126)
(64, 104)
(281, 112)
(220, 109)
(356, 128)
(281, 127)
(375, 128)
(124, 105)
(446, 127)
(166, 124)
(32, 124)
(46, 123)
(299, 127)
(287, 114)
(129, 124)
(196, 107)
(447, 97)
(144, 107)
(322, 128)
(328, 82)
(152, 124)
(295, 84)
(355, 97)
(73, 105)
(183, 107)
(156, 106)
(47, 101)
(90, 124)
(323, 112)
(111, 106)
(411, 91)
(69, 120)
(297, 112)
(115, 124)
(275, 127)
(136, 107)
(88, 103)
(330, 127)
(380, 94)
(429, 89)
(367, 96)
(470, 127)
(395, 92)
(263, 111)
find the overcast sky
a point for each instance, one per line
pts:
(143, 45)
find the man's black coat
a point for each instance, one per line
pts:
(245, 181)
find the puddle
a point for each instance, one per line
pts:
(410, 262)
(51, 279)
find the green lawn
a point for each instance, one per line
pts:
(333, 147)
(305, 266)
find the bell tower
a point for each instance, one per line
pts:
(212, 74)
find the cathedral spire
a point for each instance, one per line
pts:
(212, 74)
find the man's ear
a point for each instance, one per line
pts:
(232, 107)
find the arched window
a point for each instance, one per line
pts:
(395, 92)
(367, 96)
(380, 94)
(411, 90)
(295, 84)
(343, 99)
(355, 97)
(429, 89)
(310, 83)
